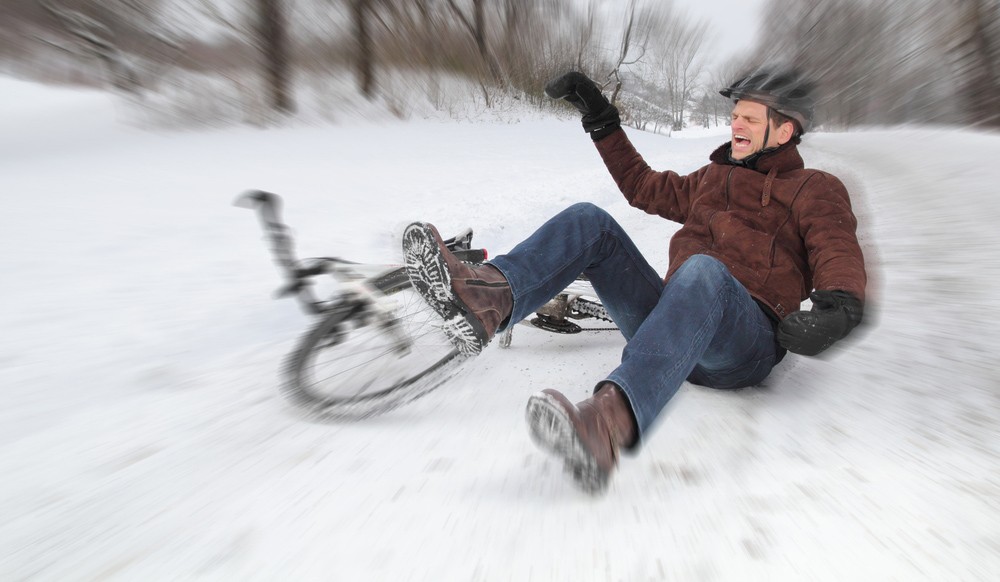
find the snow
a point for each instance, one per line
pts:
(143, 436)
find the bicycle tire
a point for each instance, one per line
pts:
(336, 372)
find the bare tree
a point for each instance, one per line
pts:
(262, 26)
(974, 49)
(89, 38)
(586, 35)
(680, 64)
(704, 110)
(120, 39)
(361, 11)
(273, 42)
(892, 61)
(477, 28)
(376, 23)
(530, 34)
(635, 38)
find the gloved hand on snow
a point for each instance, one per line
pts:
(834, 314)
(600, 117)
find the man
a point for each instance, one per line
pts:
(760, 232)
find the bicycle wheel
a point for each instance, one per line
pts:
(354, 365)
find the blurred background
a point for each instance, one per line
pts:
(179, 62)
(143, 435)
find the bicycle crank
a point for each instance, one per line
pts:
(555, 325)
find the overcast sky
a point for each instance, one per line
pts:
(732, 23)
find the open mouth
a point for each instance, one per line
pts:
(741, 140)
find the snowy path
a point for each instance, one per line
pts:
(143, 437)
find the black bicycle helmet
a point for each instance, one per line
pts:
(785, 91)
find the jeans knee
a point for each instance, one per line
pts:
(588, 212)
(702, 270)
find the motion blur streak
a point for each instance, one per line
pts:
(877, 63)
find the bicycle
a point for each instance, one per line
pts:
(376, 344)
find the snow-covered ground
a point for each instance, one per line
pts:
(143, 437)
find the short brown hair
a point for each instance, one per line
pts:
(780, 118)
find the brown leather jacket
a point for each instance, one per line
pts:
(781, 229)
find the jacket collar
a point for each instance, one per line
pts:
(782, 159)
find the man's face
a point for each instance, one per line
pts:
(748, 127)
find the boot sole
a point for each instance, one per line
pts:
(429, 275)
(552, 430)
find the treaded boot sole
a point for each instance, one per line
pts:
(429, 275)
(552, 430)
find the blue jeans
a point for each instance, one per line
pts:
(702, 325)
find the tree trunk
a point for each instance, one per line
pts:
(360, 10)
(978, 80)
(484, 50)
(274, 45)
(477, 28)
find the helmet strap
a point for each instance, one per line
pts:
(767, 130)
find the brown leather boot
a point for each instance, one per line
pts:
(473, 300)
(587, 436)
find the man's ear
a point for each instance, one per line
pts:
(785, 132)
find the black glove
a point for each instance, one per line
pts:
(834, 314)
(600, 117)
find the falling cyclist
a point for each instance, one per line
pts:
(760, 233)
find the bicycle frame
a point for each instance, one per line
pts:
(356, 281)
(376, 344)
